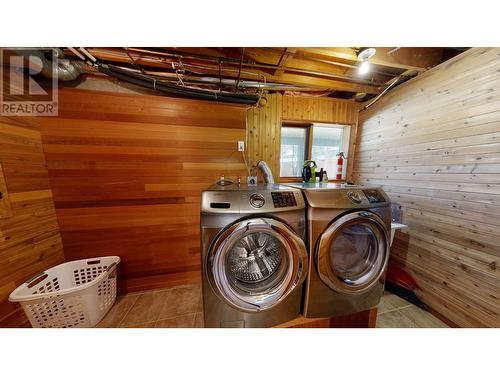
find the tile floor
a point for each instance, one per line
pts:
(395, 312)
(177, 307)
(182, 307)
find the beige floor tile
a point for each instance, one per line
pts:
(183, 321)
(198, 321)
(422, 318)
(394, 319)
(390, 302)
(181, 301)
(146, 309)
(116, 314)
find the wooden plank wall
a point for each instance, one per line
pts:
(29, 237)
(264, 124)
(264, 133)
(434, 145)
(127, 171)
(329, 110)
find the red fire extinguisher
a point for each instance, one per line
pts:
(340, 165)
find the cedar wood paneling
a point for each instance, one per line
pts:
(29, 236)
(434, 145)
(127, 172)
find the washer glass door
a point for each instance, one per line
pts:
(353, 252)
(256, 263)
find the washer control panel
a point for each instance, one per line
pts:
(283, 199)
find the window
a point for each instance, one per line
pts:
(327, 143)
(318, 142)
(293, 150)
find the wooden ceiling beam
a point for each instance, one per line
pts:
(285, 56)
(320, 80)
(323, 83)
(406, 58)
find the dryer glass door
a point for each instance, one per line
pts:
(353, 252)
(256, 263)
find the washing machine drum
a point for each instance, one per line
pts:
(255, 258)
(352, 253)
(254, 264)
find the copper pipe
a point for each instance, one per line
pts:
(259, 65)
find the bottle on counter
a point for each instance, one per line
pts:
(325, 177)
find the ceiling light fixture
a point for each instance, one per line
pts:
(366, 53)
(363, 56)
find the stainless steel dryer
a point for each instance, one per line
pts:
(253, 254)
(348, 241)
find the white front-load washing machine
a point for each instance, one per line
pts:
(253, 253)
(348, 241)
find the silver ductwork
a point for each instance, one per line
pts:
(266, 171)
(65, 70)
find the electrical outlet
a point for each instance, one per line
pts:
(241, 146)
(252, 180)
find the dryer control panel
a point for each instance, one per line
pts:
(374, 196)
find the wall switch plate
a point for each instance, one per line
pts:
(241, 146)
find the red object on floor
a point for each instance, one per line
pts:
(401, 277)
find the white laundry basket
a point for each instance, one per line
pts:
(72, 294)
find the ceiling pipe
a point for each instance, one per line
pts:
(173, 89)
(252, 63)
(393, 50)
(86, 53)
(374, 100)
(225, 81)
(65, 70)
(185, 55)
(78, 54)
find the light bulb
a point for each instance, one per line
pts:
(364, 67)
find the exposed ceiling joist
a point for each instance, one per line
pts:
(323, 83)
(329, 71)
(296, 76)
(411, 58)
(287, 54)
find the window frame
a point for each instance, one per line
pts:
(307, 142)
(309, 126)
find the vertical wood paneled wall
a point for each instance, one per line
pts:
(434, 145)
(328, 110)
(29, 235)
(264, 124)
(127, 172)
(264, 133)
